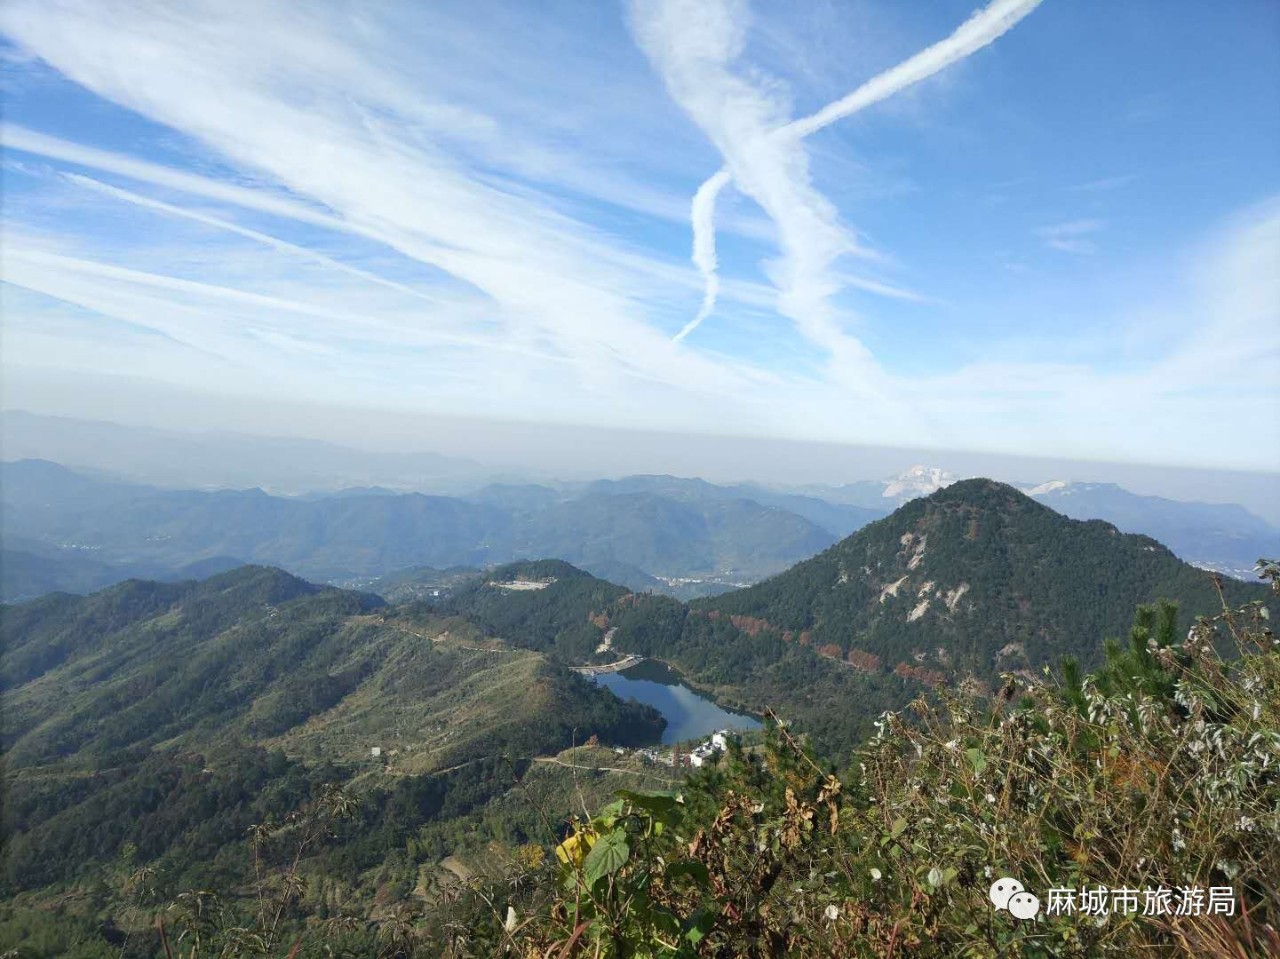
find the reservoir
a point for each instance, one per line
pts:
(689, 716)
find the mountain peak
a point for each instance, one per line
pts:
(980, 491)
(257, 586)
(949, 581)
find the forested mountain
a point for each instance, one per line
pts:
(547, 605)
(735, 539)
(26, 574)
(836, 517)
(976, 577)
(975, 580)
(29, 569)
(170, 715)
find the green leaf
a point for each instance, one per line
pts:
(899, 827)
(699, 924)
(976, 759)
(607, 856)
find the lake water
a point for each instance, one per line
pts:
(688, 715)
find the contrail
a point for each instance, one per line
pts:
(982, 28)
(129, 196)
(704, 247)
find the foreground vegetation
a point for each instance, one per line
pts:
(1161, 770)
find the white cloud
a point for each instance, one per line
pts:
(320, 128)
(693, 45)
(148, 203)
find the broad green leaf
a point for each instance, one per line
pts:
(607, 856)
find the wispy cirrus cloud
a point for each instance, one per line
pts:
(1104, 184)
(149, 203)
(693, 46)
(1073, 236)
(327, 137)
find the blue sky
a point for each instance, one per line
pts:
(1054, 233)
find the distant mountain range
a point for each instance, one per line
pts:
(72, 531)
(973, 580)
(1221, 537)
(65, 530)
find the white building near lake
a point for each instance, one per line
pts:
(718, 743)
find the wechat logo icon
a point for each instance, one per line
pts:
(1010, 895)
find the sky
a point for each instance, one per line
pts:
(1048, 229)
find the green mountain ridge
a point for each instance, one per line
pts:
(162, 708)
(969, 570)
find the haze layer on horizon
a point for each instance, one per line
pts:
(519, 450)
(1047, 229)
